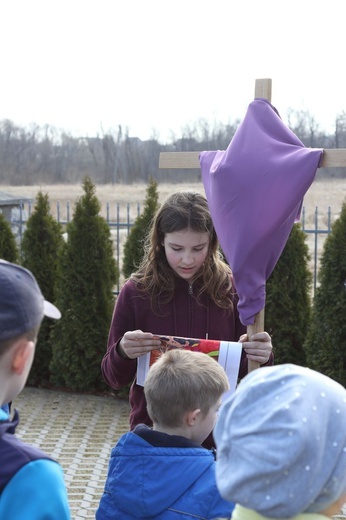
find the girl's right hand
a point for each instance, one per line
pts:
(136, 343)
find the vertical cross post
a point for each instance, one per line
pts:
(263, 89)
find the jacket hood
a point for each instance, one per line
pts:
(160, 475)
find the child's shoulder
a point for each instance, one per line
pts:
(132, 285)
(19, 458)
(41, 481)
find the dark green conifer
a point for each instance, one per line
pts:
(326, 341)
(288, 302)
(41, 243)
(87, 274)
(134, 245)
(8, 246)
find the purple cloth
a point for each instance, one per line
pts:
(255, 193)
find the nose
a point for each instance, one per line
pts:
(188, 258)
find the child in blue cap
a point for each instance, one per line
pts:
(31, 483)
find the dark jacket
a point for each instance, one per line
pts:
(159, 476)
(31, 483)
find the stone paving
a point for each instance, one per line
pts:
(77, 430)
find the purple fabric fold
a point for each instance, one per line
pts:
(255, 191)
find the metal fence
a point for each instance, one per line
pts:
(318, 235)
(120, 217)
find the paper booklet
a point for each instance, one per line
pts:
(226, 353)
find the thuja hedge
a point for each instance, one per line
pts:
(86, 276)
(288, 302)
(8, 246)
(134, 245)
(326, 341)
(42, 241)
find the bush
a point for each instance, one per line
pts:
(8, 246)
(41, 243)
(134, 245)
(288, 304)
(326, 341)
(87, 273)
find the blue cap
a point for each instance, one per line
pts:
(22, 305)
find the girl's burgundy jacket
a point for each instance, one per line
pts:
(183, 316)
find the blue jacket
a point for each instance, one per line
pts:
(174, 479)
(31, 484)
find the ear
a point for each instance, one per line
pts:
(22, 355)
(191, 417)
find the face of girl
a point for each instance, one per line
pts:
(186, 251)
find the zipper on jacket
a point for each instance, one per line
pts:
(190, 289)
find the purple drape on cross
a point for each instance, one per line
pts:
(255, 193)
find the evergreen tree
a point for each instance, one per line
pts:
(325, 345)
(8, 246)
(87, 273)
(133, 248)
(288, 305)
(41, 243)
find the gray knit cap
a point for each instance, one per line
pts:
(281, 442)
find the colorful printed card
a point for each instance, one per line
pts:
(226, 353)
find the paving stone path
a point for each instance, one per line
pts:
(77, 430)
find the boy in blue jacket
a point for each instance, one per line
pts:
(163, 472)
(31, 483)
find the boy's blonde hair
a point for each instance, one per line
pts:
(182, 381)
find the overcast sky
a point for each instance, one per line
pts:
(155, 66)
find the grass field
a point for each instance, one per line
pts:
(324, 194)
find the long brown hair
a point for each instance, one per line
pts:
(183, 210)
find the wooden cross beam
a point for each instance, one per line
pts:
(332, 158)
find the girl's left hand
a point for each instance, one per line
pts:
(259, 348)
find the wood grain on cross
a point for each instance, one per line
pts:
(332, 158)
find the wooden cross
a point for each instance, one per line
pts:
(332, 158)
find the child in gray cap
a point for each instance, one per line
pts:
(281, 445)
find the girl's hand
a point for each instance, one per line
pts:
(135, 343)
(259, 348)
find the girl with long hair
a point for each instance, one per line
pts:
(183, 287)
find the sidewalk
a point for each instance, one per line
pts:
(78, 431)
